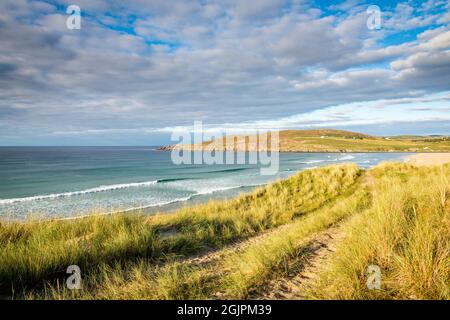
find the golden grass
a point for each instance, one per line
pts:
(36, 252)
(406, 233)
(395, 216)
(274, 256)
(234, 275)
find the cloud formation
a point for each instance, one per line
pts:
(138, 67)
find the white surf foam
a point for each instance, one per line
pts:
(312, 161)
(219, 189)
(81, 192)
(164, 203)
(347, 157)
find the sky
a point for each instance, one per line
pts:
(137, 70)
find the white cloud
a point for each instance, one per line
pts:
(236, 62)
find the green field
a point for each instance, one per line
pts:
(345, 141)
(395, 216)
(329, 140)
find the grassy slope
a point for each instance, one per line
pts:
(328, 140)
(396, 216)
(296, 140)
(406, 233)
(35, 252)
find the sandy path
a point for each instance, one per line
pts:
(428, 159)
(315, 258)
(210, 256)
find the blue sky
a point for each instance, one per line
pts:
(137, 70)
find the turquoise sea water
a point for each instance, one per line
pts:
(72, 181)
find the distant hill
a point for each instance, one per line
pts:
(330, 140)
(327, 132)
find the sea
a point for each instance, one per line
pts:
(68, 182)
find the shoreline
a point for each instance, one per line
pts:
(243, 242)
(417, 159)
(171, 148)
(316, 141)
(428, 159)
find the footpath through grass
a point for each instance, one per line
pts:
(37, 253)
(234, 275)
(395, 216)
(406, 233)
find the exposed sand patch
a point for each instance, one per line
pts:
(428, 159)
(316, 257)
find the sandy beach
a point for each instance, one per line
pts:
(428, 159)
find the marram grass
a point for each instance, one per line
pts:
(38, 252)
(406, 233)
(395, 216)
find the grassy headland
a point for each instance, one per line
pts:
(328, 140)
(395, 216)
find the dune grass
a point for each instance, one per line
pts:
(234, 276)
(406, 233)
(395, 216)
(281, 253)
(35, 253)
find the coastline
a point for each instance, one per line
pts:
(428, 159)
(317, 141)
(248, 241)
(419, 159)
(117, 185)
(195, 149)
